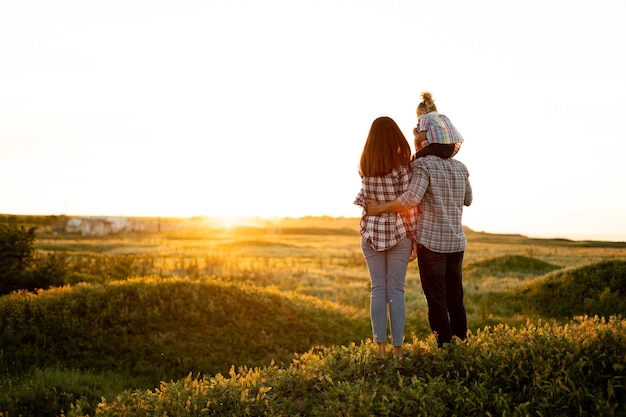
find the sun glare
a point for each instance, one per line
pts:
(227, 222)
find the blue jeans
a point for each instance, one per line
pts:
(387, 275)
(442, 281)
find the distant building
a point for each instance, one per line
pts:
(101, 226)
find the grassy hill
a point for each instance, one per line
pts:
(507, 266)
(595, 289)
(161, 329)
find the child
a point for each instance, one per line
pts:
(435, 134)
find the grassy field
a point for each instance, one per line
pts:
(282, 300)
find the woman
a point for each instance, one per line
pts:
(385, 170)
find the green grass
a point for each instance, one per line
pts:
(537, 370)
(274, 320)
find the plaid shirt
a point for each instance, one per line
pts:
(439, 129)
(384, 231)
(442, 188)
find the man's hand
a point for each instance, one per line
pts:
(373, 208)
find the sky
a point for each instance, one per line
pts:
(261, 108)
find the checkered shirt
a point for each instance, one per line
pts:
(442, 188)
(439, 129)
(384, 231)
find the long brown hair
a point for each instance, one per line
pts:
(385, 149)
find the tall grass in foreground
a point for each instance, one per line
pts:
(544, 369)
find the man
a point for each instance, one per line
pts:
(440, 184)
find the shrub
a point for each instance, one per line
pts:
(16, 255)
(20, 268)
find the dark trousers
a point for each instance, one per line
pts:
(442, 281)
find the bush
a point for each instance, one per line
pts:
(16, 256)
(20, 268)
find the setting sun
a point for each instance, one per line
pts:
(228, 222)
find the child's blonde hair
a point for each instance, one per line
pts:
(428, 103)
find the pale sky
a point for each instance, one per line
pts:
(261, 108)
